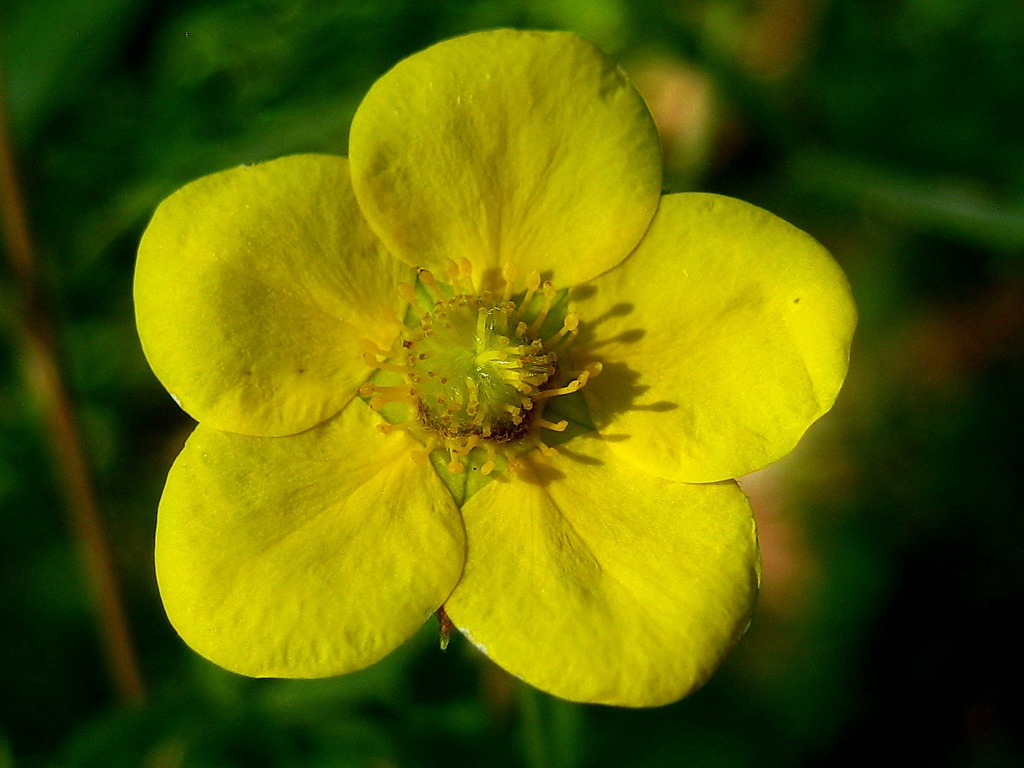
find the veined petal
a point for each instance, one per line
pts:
(724, 336)
(304, 556)
(529, 148)
(253, 290)
(598, 583)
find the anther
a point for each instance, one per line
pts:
(569, 328)
(568, 389)
(381, 396)
(367, 347)
(532, 284)
(390, 316)
(488, 466)
(468, 445)
(467, 273)
(549, 298)
(590, 372)
(375, 389)
(407, 292)
(371, 353)
(455, 465)
(423, 456)
(454, 270)
(522, 386)
(509, 274)
(517, 415)
(427, 278)
(554, 426)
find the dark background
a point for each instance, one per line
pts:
(893, 538)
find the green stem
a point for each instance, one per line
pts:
(44, 379)
(550, 729)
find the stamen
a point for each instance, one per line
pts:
(408, 293)
(468, 445)
(474, 366)
(509, 274)
(549, 298)
(467, 273)
(481, 329)
(454, 270)
(532, 284)
(388, 429)
(514, 462)
(473, 395)
(548, 451)
(455, 466)
(367, 347)
(370, 388)
(568, 389)
(370, 354)
(381, 400)
(558, 426)
(522, 386)
(427, 278)
(591, 371)
(567, 332)
(423, 456)
(389, 315)
(381, 396)
(488, 466)
(517, 416)
(457, 401)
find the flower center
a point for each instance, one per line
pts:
(473, 369)
(479, 366)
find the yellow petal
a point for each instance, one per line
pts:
(253, 289)
(724, 337)
(304, 556)
(530, 148)
(598, 583)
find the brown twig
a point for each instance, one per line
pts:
(44, 379)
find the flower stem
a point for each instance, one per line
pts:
(44, 379)
(550, 729)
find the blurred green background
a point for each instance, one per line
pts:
(892, 130)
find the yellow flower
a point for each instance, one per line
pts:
(503, 198)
